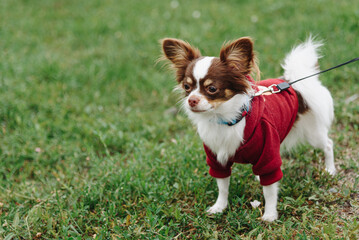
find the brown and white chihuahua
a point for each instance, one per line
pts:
(239, 124)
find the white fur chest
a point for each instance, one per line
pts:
(223, 140)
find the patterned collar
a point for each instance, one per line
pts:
(243, 112)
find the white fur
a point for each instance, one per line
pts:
(312, 127)
(203, 104)
(200, 70)
(222, 200)
(270, 193)
(221, 139)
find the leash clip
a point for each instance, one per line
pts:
(274, 88)
(262, 91)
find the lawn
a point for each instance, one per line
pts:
(91, 146)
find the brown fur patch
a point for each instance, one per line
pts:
(189, 81)
(227, 81)
(302, 105)
(180, 53)
(226, 73)
(239, 56)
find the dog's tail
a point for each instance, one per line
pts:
(302, 61)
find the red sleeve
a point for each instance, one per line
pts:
(216, 169)
(269, 160)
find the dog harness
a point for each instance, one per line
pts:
(267, 124)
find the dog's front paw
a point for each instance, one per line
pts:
(217, 208)
(270, 217)
(332, 171)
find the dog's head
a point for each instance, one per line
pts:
(209, 82)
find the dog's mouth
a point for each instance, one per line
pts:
(200, 110)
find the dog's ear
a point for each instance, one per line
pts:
(239, 55)
(179, 52)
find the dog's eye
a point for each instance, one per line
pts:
(212, 89)
(186, 87)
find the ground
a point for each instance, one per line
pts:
(92, 144)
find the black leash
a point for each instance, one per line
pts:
(276, 88)
(326, 70)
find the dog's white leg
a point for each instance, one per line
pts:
(321, 140)
(222, 200)
(270, 196)
(329, 157)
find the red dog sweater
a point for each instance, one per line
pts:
(268, 123)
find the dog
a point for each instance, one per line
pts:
(241, 120)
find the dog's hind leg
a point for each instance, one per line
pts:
(329, 156)
(319, 139)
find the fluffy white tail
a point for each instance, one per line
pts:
(302, 60)
(313, 125)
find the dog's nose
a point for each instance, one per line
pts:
(193, 101)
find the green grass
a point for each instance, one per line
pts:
(88, 150)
